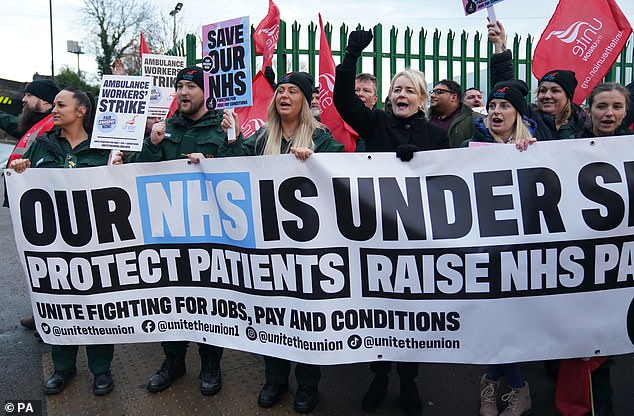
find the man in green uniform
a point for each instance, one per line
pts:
(192, 129)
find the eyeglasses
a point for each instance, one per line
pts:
(438, 91)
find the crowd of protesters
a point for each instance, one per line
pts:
(417, 119)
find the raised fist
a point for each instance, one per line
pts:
(357, 41)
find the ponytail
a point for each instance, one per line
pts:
(87, 100)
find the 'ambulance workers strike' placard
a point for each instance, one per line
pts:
(121, 113)
(163, 70)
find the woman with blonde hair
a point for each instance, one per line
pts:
(505, 123)
(405, 130)
(291, 128)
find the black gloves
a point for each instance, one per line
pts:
(357, 42)
(269, 74)
(405, 152)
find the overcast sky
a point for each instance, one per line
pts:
(25, 30)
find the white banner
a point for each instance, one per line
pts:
(477, 255)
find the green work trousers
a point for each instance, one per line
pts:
(179, 349)
(99, 357)
(278, 370)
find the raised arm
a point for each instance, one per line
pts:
(350, 107)
(501, 68)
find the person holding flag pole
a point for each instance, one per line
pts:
(557, 116)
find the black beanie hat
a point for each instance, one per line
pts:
(514, 91)
(303, 80)
(191, 73)
(44, 89)
(565, 78)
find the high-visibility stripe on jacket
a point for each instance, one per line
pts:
(29, 137)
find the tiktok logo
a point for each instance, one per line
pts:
(354, 342)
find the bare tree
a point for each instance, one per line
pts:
(116, 25)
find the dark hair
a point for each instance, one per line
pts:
(472, 88)
(364, 76)
(85, 99)
(609, 86)
(452, 86)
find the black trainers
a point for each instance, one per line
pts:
(172, 368)
(375, 394)
(58, 381)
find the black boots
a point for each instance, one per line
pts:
(306, 398)
(102, 384)
(271, 393)
(172, 368)
(58, 381)
(210, 377)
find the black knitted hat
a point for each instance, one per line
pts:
(514, 91)
(44, 89)
(191, 73)
(565, 78)
(303, 80)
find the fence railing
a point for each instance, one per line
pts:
(466, 62)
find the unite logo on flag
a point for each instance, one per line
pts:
(326, 87)
(271, 33)
(584, 43)
(586, 40)
(250, 126)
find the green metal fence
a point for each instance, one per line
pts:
(464, 59)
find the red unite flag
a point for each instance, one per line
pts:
(143, 46)
(343, 133)
(252, 118)
(266, 34)
(586, 40)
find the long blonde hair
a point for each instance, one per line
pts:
(521, 130)
(303, 135)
